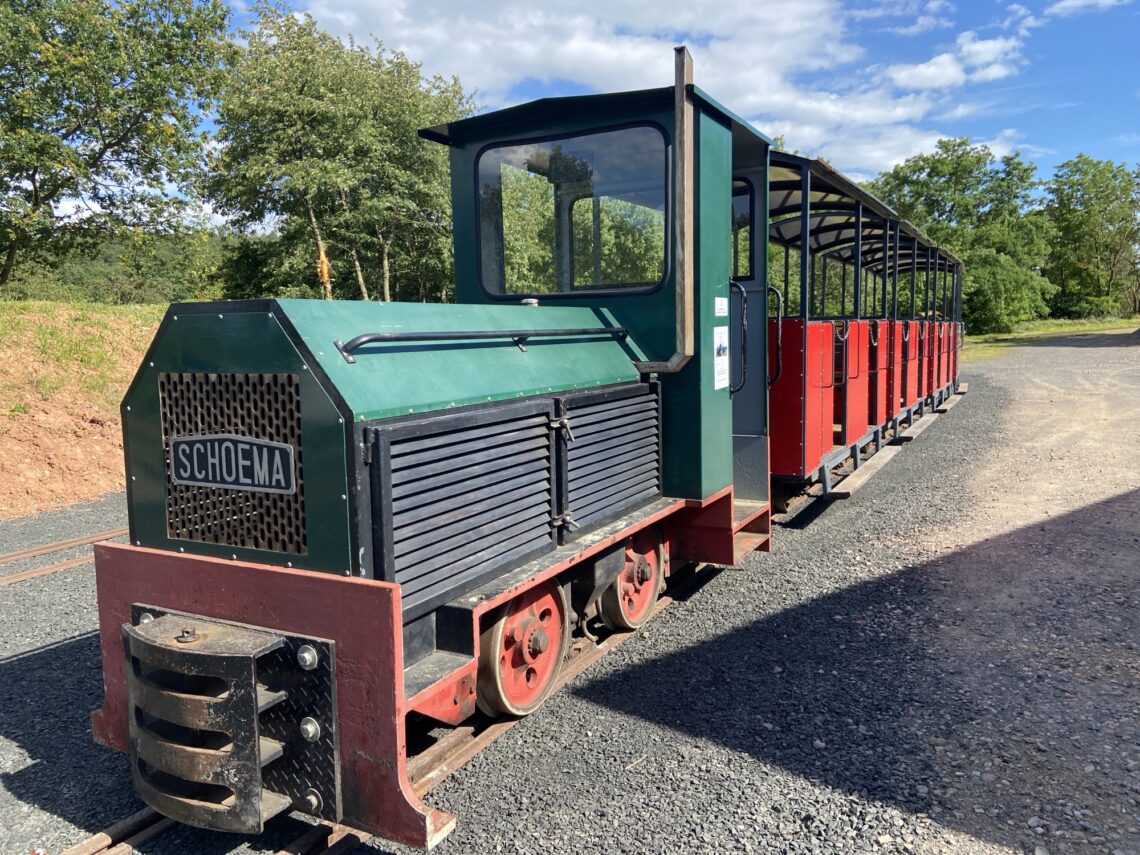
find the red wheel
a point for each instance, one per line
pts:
(521, 653)
(629, 601)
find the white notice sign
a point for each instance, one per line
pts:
(720, 357)
(721, 307)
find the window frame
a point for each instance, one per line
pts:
(638, 289)
(750, 274)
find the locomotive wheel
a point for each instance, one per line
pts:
(521, 653)
(629, 601)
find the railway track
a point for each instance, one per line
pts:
(51, 548)
(427, 769)
(126, 835)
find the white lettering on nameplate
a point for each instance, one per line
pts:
(232, 462)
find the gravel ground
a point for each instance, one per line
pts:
(945, 663)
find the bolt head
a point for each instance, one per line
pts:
(307, 657)
(310, 729)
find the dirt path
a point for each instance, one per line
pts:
(1041, 594)
(1073, 428)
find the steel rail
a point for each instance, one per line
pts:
(61, 545)
(126, 835)
(12, 578)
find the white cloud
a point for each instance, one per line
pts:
(939, 72)
(1021, 19)
(923, 24)
(961, 111)
(1009, 140)
(1074, 7)
(994, 71)
(792, 74)
(928, 20)
(974, 51)
(973, 60)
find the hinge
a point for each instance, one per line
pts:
(565, 520)
(563, 423)
(369, 441)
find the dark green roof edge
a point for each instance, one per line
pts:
(740, 122)
(524, 116)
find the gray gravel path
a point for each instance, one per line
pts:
(944, 663)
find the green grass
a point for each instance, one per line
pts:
(988, 345)
(88, 347)
(1060, 326)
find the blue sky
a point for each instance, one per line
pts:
(864, 83)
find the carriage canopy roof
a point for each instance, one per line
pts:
(838, 212)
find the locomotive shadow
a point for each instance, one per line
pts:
(46, 696)
(990, 678)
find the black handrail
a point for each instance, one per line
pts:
(519, 337)
(779, 333)
(736, 286)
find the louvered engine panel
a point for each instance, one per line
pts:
(461, 498)
(613, 462)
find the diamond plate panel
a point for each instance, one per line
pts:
(305, 766)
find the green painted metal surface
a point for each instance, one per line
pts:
(399, 378)
(224, 338)
(697, 430)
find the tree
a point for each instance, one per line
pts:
(1094, 255)
(99, 110)
(982, 209)
(318, 138)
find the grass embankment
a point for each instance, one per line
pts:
(991, 344)
(63, 370)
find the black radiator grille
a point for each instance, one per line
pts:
(614, 460)
(262, 406)
(467, 495)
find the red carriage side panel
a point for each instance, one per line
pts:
(931, 363)
(856, 397)
(819, 401)
(911, 349)
(894, 332)
(786, 399)
(948, 353)
(802, 401)
(879, 344)
(942, 371)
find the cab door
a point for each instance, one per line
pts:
(748, 329)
